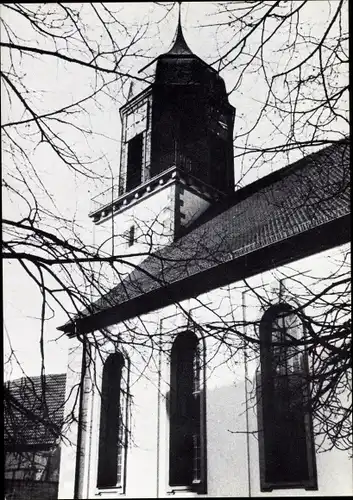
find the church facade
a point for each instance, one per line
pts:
(194, 372)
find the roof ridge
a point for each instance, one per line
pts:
(34, 377)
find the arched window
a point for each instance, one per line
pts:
(187, 427)
(287, 457)
(112, 432)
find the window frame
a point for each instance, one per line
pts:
(124, 401)
(200, 485)
(264, 378)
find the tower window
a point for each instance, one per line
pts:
(286, 445)
(186, 445)
(112, 433)
(131, 236)
(134, 162)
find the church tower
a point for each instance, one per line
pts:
(176, 148)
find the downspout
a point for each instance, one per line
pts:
(79, 447)
(92, 391)
(159, 406)
(91, 428)
(246, 395)
(112, 212)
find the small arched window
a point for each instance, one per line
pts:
(112, 432)
(187, 422)
(287, 457)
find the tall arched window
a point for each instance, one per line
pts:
(187, 426)
(287, 457)
(112, 432)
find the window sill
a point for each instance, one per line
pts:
(186, 490)
(117, 490)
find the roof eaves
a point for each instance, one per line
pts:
(222, 273)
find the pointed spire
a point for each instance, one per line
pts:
(180, 47)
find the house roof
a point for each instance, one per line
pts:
(31, 416)
(308, 197)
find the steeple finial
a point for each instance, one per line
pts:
(180, 46)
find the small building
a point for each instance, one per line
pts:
(33, 417)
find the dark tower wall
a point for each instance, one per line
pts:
(192, 122)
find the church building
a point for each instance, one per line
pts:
(193, 368)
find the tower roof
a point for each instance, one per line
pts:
(180, 66)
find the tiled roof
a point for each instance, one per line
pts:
(305, 195)
(32, 416)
